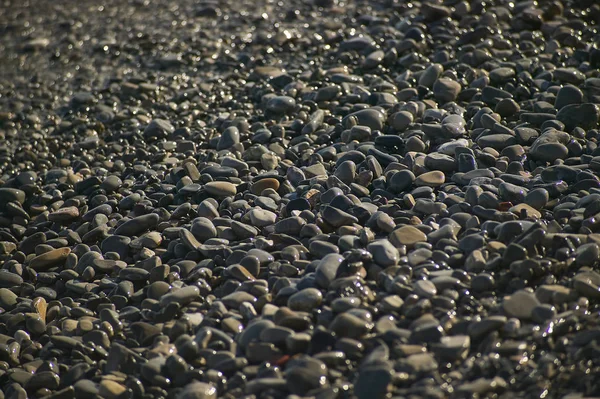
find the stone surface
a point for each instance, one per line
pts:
(328, 199)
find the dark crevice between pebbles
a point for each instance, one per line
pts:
(250, 199)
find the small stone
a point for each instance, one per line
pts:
(446, 90)
(401, 181)
(384, 253)
(587, 254)
(137, 225)
(229, 138)
(424, 288)
(585, 116)
(111, 389)
(527, 210)
(327, 269)
(281, 104)
(198, 390)
(567, 95)
(66, 214)
(263, 184)
(305, 300)
(11, 195)
(350, 326)
(453, 348)
(520, 305)
(158, 129)
(407, 235)
(373, 118)
(261, 218)
(8, 299)
(220, 189)
(431, 179)
(49, 259)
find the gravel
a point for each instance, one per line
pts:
(326, 199)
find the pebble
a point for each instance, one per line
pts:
(263, 184)
(137, 225)
(407, 235)
(520, 304)
(305, 300)
(446, 90)
(198, 390)
(49, 259)
(321, 199)
(384, 253)
(220, 188)
(350, 326)
(431, 179)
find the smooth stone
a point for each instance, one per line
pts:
(137, 225)
(198, 390)
(11, 195)
(49, 259)
(569, 75)
(421, 363)
(373, 382)
(554, 294)
(292, 225)
(261, 218)
(453, 348)
(305, 300)
(220, 188)
(253, 331)
(431, 179)
(497, 141)
(407, 235)
(305, 374)
(229, 138)
(281, 104)
(189, 240)
(111, 183)
(424, 288)
(350, 326)
(159, 129)
(446, 90)
(373, 118)
(430, 75)
(263, 184)
(442, 162)
(235, 299)
(401, 181)
(203, 229)
(337, 218)
(182, 296)
(550, 146)
(587, 284)
(43, 379)
(9, 280)
(537, 198)
(111, 389)
(501, 75)
(402, 120)
(384, 253)
(529, 211)
(326, 271)
(8, 299)
(512, 192)
(585, 116)
(520, 304)
(587, 254)
(567, 95)
(480, 329)
(66, 214)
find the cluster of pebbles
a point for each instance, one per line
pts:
(260, 199)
